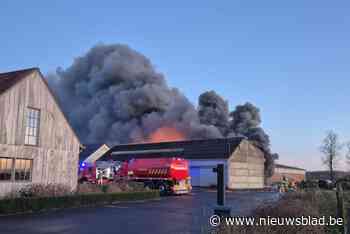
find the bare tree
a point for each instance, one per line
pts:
(331, 148)
(347, 156)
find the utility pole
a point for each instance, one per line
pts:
(221, 209)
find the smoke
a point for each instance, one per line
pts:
(246, 120)
(113, 94)
(213, 110)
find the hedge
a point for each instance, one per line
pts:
(20, 205)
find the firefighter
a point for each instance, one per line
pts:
(283, 185)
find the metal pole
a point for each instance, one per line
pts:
(221, 210)
(220, 185)
(347, 221)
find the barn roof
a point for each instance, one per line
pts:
(289, 167)
(191, 149)
(9, 79)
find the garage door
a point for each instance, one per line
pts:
(202, 176)
(194, 172)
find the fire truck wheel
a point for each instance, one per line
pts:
(148, 186)
(163, 188)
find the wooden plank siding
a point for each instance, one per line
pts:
(55, 159)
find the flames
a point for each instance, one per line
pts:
(165, 134)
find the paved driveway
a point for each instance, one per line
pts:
(167, 215)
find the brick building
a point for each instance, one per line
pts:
(295, 174)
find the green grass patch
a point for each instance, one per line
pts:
(20, 205)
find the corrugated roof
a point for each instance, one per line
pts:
(191, 149)
(9, 79)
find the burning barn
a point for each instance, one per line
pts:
(244, 162)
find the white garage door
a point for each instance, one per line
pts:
(194, 172)
(202, 176)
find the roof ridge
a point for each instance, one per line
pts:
(19, 71)
(9, 79)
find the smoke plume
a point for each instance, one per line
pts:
(245, 121)
(213, 110)
(113, 94)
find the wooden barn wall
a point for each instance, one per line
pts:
(246, 167)
(55, 159)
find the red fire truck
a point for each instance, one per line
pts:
(169, 175)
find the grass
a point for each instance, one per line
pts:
(314, 203)
(35, 204)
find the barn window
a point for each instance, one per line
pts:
(32, 127)
(6, 166)
(23, 169)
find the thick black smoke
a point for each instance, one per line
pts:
(246, 121)
(113, 94)
(244, 118)
(213, 110)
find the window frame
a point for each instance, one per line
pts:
(13, 170)
(31, 161)
(37, 128)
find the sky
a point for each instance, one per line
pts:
(290, 58)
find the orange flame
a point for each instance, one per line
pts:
(166, 134)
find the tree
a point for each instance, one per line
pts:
(348, 153)
(331, 148)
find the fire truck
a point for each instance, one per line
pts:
(169, 175)
(100, 172)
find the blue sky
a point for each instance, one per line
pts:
(290, 58)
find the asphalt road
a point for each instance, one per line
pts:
(167, 215)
